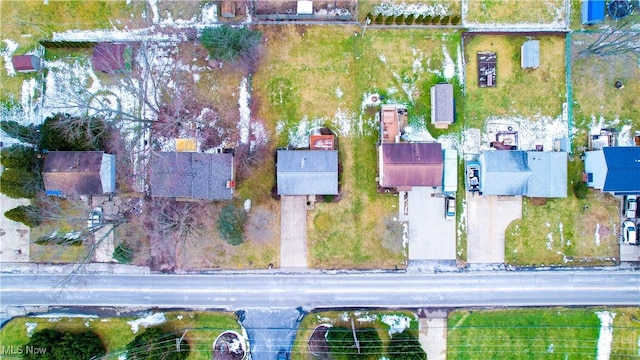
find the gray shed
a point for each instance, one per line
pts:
(530, 54)
(307, 172)
(442, 107)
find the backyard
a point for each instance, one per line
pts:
(117, 331)
(551, 333)
(515, 13)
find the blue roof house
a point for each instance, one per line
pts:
(615, 170)
(307, 172)
(525, 173)
(592, 12)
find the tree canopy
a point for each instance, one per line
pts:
(231, 224)
(26, 214)
(61, 345)
(155, 344)
(226, 43)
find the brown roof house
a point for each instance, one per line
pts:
(442, 106)
(26, 63)
(79, 173)
(402, 165)
(192, 175)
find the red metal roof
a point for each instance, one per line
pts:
(411, 164)
(25, 63)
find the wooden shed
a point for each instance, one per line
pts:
(26, 63)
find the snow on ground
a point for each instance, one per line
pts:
(460, 66)
(387, 8)
(149, 320)
(397, 323)
(245, 112)
(606, 334)
(31, 327)
(6, 54)
(449, 68)
(558, 23)
(596, 235)
(624, 136)
(339, 92)
(537, 130)
(247, 205)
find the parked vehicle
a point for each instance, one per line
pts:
(95, 218)
(630, 206)
(282, 355)
(450, 208)
(629, 233)
(472, 180)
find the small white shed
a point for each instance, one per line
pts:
(305, 7)
(530, 54)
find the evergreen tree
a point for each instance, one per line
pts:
(26, 214)
(27, 134)
(18, 156)
(226, 43)
(61, 345)
(404, 346)
(343, 346)
(19, 183)
(155, 344)
(231, 223)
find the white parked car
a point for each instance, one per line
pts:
(630, 206)
(450, 208)
(629, 233)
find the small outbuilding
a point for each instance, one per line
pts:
(442, 106)
(305, 7)
(530, 54)
(487, 65)
(79, 173)
(592, 12)
(228, 9)
(26, 63)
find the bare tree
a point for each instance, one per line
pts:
(621, 38)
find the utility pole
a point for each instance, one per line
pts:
(355, 338)
(366, 22)
(179, 341)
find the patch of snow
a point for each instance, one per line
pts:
(247, 205)
(388, 8)
(150, 320)
(153, 4)
(365, 317)
(299, 136)
(416, 67)
(596, 235)
(6, 54)
(280, 125)
(407, 85)
(405, 235)
(549, 241)
(606, 334)
(179, 317)
(396, 323)
(259, 135)
(342, 122)
(31, 327)
(382, 58)
(339, 92)
(248, 18)
(532, 131)
(209, 14)
(245, 112)
(86, 324)
(560, 229)
(417, 134)
(449, 69)
(460, 63)
(624, 136)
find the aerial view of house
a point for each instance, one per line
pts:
(298, 180)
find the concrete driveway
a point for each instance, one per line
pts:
(14, 236)
(431, 236)
(293, 232)
(487, 219)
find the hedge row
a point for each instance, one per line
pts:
(414, 20)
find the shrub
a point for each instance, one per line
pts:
(427, 20)
(231, 223)
(343, 347)
(580, 190)
(154, 344)
(455, 20)
(26, 214)
(226, 43)
(404, 346)
(20, 183)
(400, 20)
(435, 20)
(379, 19)
(18, 156)
(123, 254)
(409, 20)
(419, 20)
(61, 345)
(389, 20)
(27, 134)
(63, 132)
(445, 20)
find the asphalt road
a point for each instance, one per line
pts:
(318, 290)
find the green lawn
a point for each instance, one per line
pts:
(515, 12)
(115, 333)
(381, 320)
(319, 76)
(369, 6)
(550, 333)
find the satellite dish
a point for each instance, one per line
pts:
(619, 8)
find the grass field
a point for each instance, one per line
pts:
(370, 6)
(563, 231)
(319, 76)
(595, 98)
(550, 333)
(514, 12)
(115, 333)
(519, 92)
(381, 320)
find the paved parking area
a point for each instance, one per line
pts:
(293, 231)
(14, 236)
(487, 219)
(431, 236)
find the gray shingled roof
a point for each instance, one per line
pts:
(307, 172)
(79, 172)
(527, 173)
(191, 175)
(442, 110)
